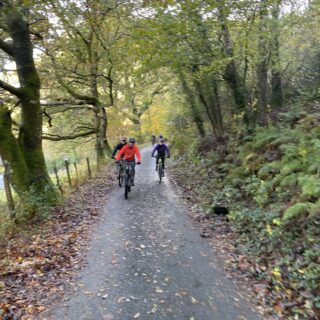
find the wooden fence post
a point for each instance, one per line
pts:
(89, 169)
(66, 163)
(57, 179)
(77, 176)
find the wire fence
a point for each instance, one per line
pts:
(67, 177)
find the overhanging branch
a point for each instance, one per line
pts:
(6, 47)
(8, 87)
(56, 137)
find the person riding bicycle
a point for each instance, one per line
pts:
(153, 139)
(129, 152)
(162, 151)
(118, 147)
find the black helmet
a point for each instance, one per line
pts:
(132, 140)
(160, 136)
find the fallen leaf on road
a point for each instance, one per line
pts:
(121, 299)
(193, 300)
(154, 309)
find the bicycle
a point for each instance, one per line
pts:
(160, 169)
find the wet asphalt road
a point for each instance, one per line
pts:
(147, 261)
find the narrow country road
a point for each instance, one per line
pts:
(147, 261)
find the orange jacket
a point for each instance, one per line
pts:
(129, 153)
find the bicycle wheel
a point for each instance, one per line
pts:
(120, 177)
(126, 186)
(160, 169)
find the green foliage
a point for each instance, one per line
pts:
(296, 210)
(271, 185)
(310, 186)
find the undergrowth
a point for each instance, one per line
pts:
(270, 182)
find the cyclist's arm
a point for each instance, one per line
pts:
(154, 150)
(121, 152)
(116, 148)
(138, 155)
(167, 151)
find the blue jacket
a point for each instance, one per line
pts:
(162, 150)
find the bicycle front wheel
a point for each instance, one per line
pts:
(126, 186)
(120, 179)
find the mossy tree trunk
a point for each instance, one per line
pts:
(24, 153)
(276, 77)
(195, 112)
(262, 66)
(231, 74)
(97, 107)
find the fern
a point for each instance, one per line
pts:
(297, 210)
(264, 139)
(289, 150)
(227, 166)
(310, 186)
(284, 139)
(250, 156)
(293, 166)
(314, 167)
(264, 171)
(315, 209)
(289, 181)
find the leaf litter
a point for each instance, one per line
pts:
(38, 265)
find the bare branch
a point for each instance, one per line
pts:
(63, 103)
(6, 47)
(89, 99)
(8, 87)
(48, 116)
(55, 137)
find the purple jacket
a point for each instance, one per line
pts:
(162, 150)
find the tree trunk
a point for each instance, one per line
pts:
(231, 74)
(11, 152)
(25, 155)
(207, 92)
(97, 109)
(276, 79)
(103, 131)
(262, 66)
(194, 108)
(211, 96)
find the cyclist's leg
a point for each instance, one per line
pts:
(157, 162)
(132, 172)
(162, 159)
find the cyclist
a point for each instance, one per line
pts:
(118, 147)
(129, 152)
(153, 139)
(162, 151)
